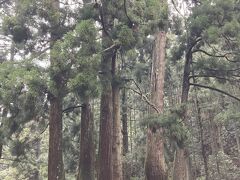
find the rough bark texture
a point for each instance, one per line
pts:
(201, 133)
(124, 122)
(117, 153)
(181, 167)
(55, 158)
(182, 170)
(155, 167)
(86, 158)
(106, 108)
(126, 173)
(55, 154)
(105, 141)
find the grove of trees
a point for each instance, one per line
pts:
(119, 89)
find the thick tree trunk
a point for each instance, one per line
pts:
(155, 167)
(86, 158)
(55, 154)
(106, 109)
(182, 170)
(55, 158)
(105, 141)
(117, 155)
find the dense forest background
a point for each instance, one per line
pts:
(119, 89)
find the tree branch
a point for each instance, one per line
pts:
(215, 89)
(212, 55)
(213, 76)
(144, 97)
(71, 108)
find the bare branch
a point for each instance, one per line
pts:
(213, 76)
(144, 97)
(69, 109)
(215, 89)
(212, 55)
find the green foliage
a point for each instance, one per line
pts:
(125, 37)
(21, 88)
(172, 123)
(157, 12)
(18, 30)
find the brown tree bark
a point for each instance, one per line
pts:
(55, 154)
(117, 153)
(106, 107)
(182, 170)
(105, 141)
(124, 122)
(155, 168)
(86, 158)
(201, 133)
(125, 148)
(55, 157)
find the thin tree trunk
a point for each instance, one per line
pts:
(203, 146)
(36, 143)
(155, 168)
(1, 149)
(126, 173)
(201, 132)
(124, 122)
(86, 158)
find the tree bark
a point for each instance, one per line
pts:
(124, 122)
(181, 165)
(155, 168)
(106, 108)
(105, 141)
(1, 149)
(55, 154)
(117, 155)
(126, 173)
(203, 146)
(182, 169)
(55, 157)
(86, 158)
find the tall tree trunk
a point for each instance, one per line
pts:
(216, 144)
(203, 146)
(106, 109)
(124, 122)
(126, 174)
(117, 155)
(55, 157)
(105, 141)
(1, 149)
(86, 158)
(55, 154)
(87, 148)
(182, 169)
(155, 167)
